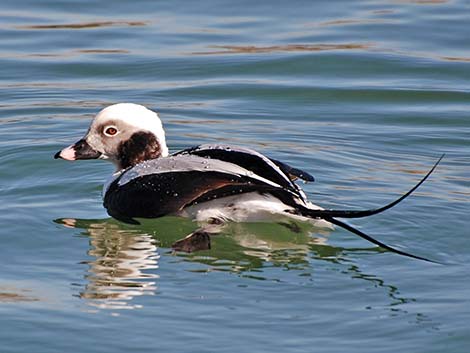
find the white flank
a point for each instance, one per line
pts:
(250, 207)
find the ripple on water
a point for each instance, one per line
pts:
(365, 95)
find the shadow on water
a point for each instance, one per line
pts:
(123, 259)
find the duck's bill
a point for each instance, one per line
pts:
(79, 150)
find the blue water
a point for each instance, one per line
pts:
(365, 95)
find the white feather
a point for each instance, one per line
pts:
(136, 115)
(249, 207)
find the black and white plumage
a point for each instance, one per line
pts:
(209, 183)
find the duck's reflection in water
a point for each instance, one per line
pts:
(124, 258)
(250, 248)
(119, 266)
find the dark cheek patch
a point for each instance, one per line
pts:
(139, 147)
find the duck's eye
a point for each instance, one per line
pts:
(110, 131)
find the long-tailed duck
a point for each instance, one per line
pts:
(209, 183)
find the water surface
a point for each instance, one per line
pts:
(365, 95)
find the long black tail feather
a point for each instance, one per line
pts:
(330, 214)
(375, 241)
(366, 213)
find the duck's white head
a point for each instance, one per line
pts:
(124, 133)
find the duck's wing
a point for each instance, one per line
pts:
(164, 186)
(271, 169)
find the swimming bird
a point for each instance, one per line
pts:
(211, 183)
